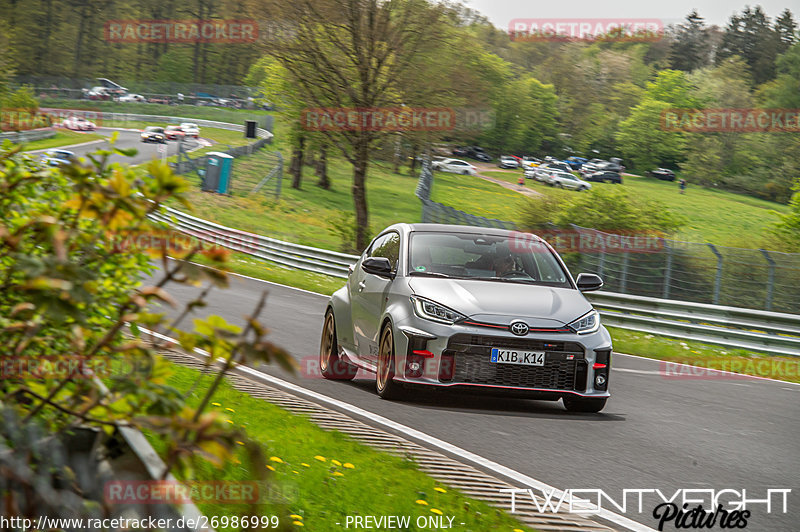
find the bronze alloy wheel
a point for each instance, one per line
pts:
(330, 365)
(384, 378)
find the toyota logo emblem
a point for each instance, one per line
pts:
(519, 328)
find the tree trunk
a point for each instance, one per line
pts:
(321, 169)
(397, 153)
(360, 195)
(296, 166)
(413, 162)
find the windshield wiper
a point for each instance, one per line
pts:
(429, 274)
(530, 280)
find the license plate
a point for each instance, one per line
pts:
(512, 356)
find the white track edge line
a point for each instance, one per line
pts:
(507, 472)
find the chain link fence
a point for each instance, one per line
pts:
(671, 269)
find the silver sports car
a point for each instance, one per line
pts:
(468, 308)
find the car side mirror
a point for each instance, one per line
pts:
(588, 282)
(379, 266)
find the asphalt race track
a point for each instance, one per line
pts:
(127, 139)
(655, 432)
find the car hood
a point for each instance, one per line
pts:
(496, 301)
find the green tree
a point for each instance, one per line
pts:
(691, 47)
(751, 36)
(356, 54)
(644, 141)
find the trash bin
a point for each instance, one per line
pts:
(218, 172)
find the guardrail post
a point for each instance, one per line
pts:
(771, 280)
(667, 268)
(718, 280)
(623, 281)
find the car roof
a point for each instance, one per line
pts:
(448, 228)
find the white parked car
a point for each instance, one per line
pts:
(78, 123)
(190, 129)
(457, 166)
(567, 180)
(132, 98)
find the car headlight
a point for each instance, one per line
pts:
(588, 323)
(427, 309)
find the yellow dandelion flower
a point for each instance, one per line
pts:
(275, 459)
(239, 442)
(437, 512)
(215, 404)
(270, 468)
(296, 517)
(440, 490)
(420, 501)
(229, 421)
(231, 410)
(305, 464)
(518, 530)
(236, 461)
(295, 472)
(298, 523)
(348, 465)
(320, 458)
(336, 462)
(338, 474)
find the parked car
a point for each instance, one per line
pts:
(604, 176)
(56, 157)
(531, 162)
(132, 98)
(97, 93)
(567, 180)
(467, 309)
(543, 170)
(78, 123)
(190, 129)
(456, 166)
(575, 162)
(174, 132)
(154, 134)
(460, 152)
(591, 166)
(664, 174)
(506, 161)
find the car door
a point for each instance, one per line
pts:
(369, 297)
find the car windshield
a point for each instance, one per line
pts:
(516, 258)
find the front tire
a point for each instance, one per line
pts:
(330, 364)
(384, 378)
(590, 406)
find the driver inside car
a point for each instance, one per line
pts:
(503, 264)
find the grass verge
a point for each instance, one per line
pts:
(273, 272)
(325, 476)
(63, 137)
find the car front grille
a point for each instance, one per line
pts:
(564, 367)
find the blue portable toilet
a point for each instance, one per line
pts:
(219, 167)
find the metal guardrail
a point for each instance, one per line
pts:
(733, 327)
(18, 137)
(738, 328)
(278, 251)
